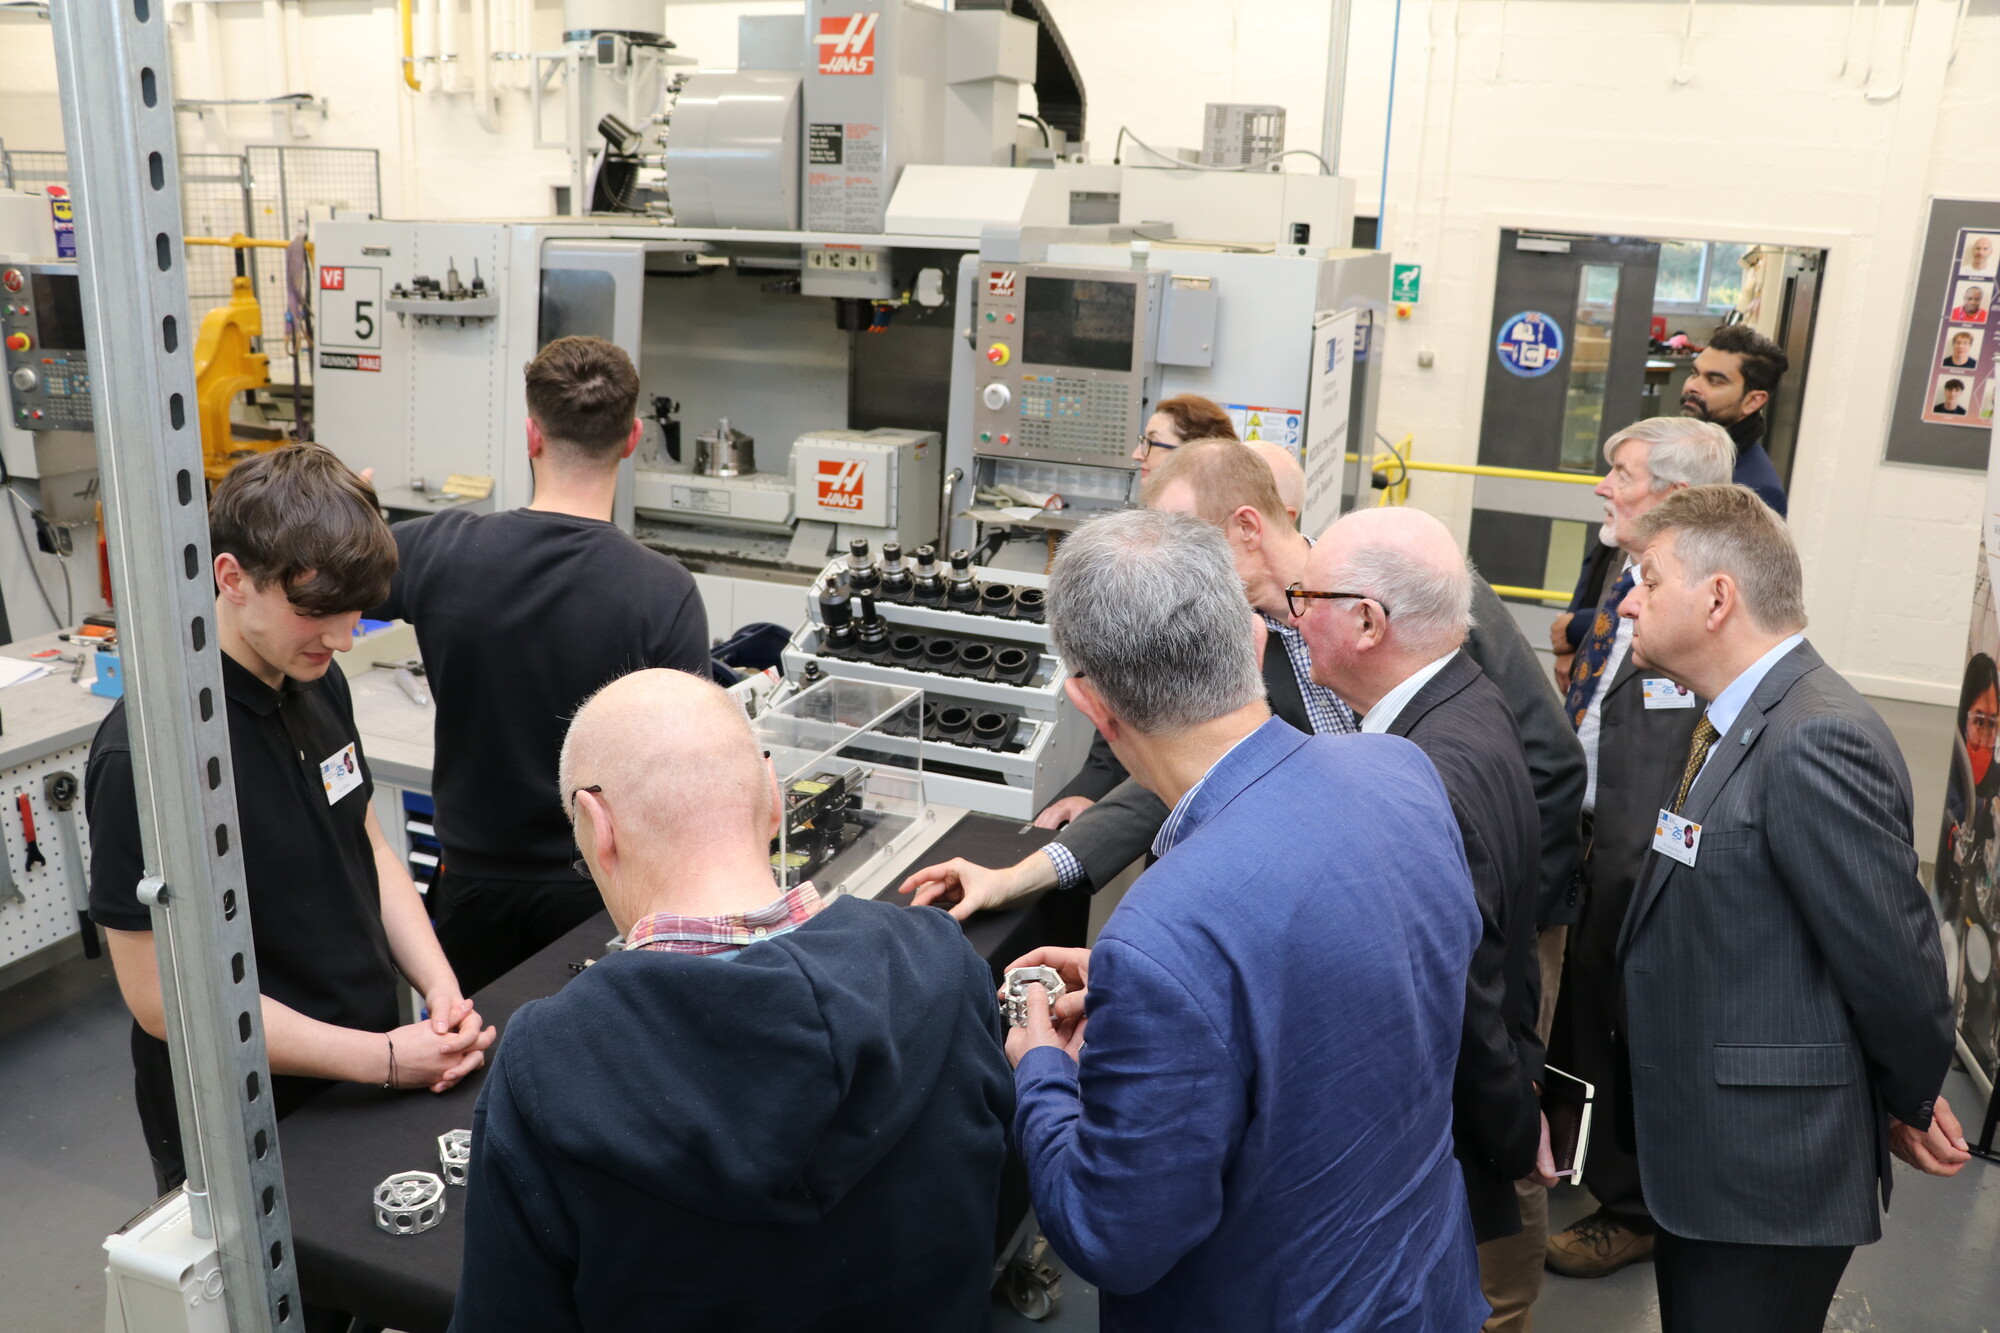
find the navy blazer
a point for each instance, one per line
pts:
(1259, 1135)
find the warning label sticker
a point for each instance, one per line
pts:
(823, 145)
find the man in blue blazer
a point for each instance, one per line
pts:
(1258, 1133)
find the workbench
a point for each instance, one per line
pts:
(340, 1145)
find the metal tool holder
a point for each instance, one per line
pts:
(999, 733)
(115, 73)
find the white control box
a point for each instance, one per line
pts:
(882, 484)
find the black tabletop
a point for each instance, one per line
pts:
(339, 1146)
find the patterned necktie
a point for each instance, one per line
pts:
(1704, 741)
(1588, 666)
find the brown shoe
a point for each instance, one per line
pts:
(1597, 1246)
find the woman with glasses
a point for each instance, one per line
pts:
(1177, 421)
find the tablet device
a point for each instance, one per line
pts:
(1566, 1100)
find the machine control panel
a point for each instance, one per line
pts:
(41, 329)
(1070, 371)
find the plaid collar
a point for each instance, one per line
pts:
(669, 933)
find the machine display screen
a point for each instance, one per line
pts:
(59, 311)
(1079, 322)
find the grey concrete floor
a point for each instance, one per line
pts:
(72, 1169)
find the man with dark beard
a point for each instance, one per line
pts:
(1732, 381)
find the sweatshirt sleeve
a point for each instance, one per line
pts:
(1126, 1153)
(519, 1270)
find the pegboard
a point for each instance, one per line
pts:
(49, 914)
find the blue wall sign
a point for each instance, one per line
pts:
(1530, 344)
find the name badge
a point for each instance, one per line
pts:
(1663, 693)
(340, 773)
(1677, 837)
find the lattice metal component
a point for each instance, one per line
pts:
(409, 1202)
(455, 1155)
(116, 79)
(1015, 1006)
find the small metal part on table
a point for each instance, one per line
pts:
(455, 1155)
(1015, 1005)
(409, 1202)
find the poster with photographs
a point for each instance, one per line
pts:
(1966, 885)
(1963, 368)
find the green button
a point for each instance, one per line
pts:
(985, 437)
(989, 317)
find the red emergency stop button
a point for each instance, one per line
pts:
(18, 342)
(12, 280)
(998, 354)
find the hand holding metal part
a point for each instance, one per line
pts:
(1014, 994)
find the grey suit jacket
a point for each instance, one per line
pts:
(1786, 993)
(1640, 754)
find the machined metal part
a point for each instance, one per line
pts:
(409, 1202)
(455, 1155)
(1015, 1006)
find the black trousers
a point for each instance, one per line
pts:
(488, 927)
(1582, 1044)
(1711, 1287)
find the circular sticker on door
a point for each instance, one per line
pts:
(1530, 344)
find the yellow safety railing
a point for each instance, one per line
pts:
(241, 242)
(1398, 459)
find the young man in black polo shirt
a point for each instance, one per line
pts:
(299, 549)
(521, 616)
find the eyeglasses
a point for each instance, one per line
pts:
(1985, 723)
(1298, 596)
(594, 791)
(1147, 444)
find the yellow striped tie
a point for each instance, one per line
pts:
(1704, 741)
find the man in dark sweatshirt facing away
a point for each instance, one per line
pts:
(762, 1114)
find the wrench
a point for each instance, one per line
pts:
(60, 790)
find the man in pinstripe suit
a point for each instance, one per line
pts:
(1786, 1021)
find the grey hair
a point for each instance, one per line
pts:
(1682, 451)
(1729, 530)
(1146, 605)
(1430, 608)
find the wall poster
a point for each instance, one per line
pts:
(1951, 352)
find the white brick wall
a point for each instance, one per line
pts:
(1522, 112)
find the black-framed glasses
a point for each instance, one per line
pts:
(1298, 596)
(1147, 444)
(594, 791)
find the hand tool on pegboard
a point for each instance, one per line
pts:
(34, 857)
(60, 790)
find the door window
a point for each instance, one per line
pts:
(1590, 365)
